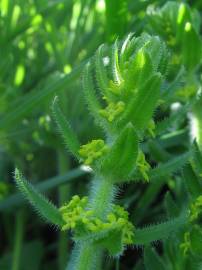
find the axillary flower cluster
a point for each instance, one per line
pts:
(83, 221)
(92, 151)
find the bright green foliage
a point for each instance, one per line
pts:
(143, 92)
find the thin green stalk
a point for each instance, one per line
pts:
(101, 197)
(19, 228)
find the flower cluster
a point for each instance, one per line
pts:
(92, 151)
(113, 110)
(143, 166)
(82, 221)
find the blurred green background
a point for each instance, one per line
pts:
(44, 45)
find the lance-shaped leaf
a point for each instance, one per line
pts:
(121, 159)
(139, 111)
(65, 129)
(115, 70)
(45, 208)
(160, 231)
(92, 101)
(140, 68)
(172, 208)
(158, 53)
(192, 182)
(191, 47)
(100, 70)
(130, 48)
(124, 46)
(197, 159)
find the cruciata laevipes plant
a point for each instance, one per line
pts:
(122, 87)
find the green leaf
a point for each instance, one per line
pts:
(170, 166)
(139, 111)
(92, 101)
(65, 129)
(157, 151)
(120, 161)
(191, 182)
(152, 260)
(45, 208)
(100, 71)
(158, 53)
(191, 47)
(140, 69)
(16, 199)
(160, 231)
(115, 70)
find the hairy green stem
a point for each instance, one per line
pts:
(87, 255)
(101, 197)
(18, 240)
